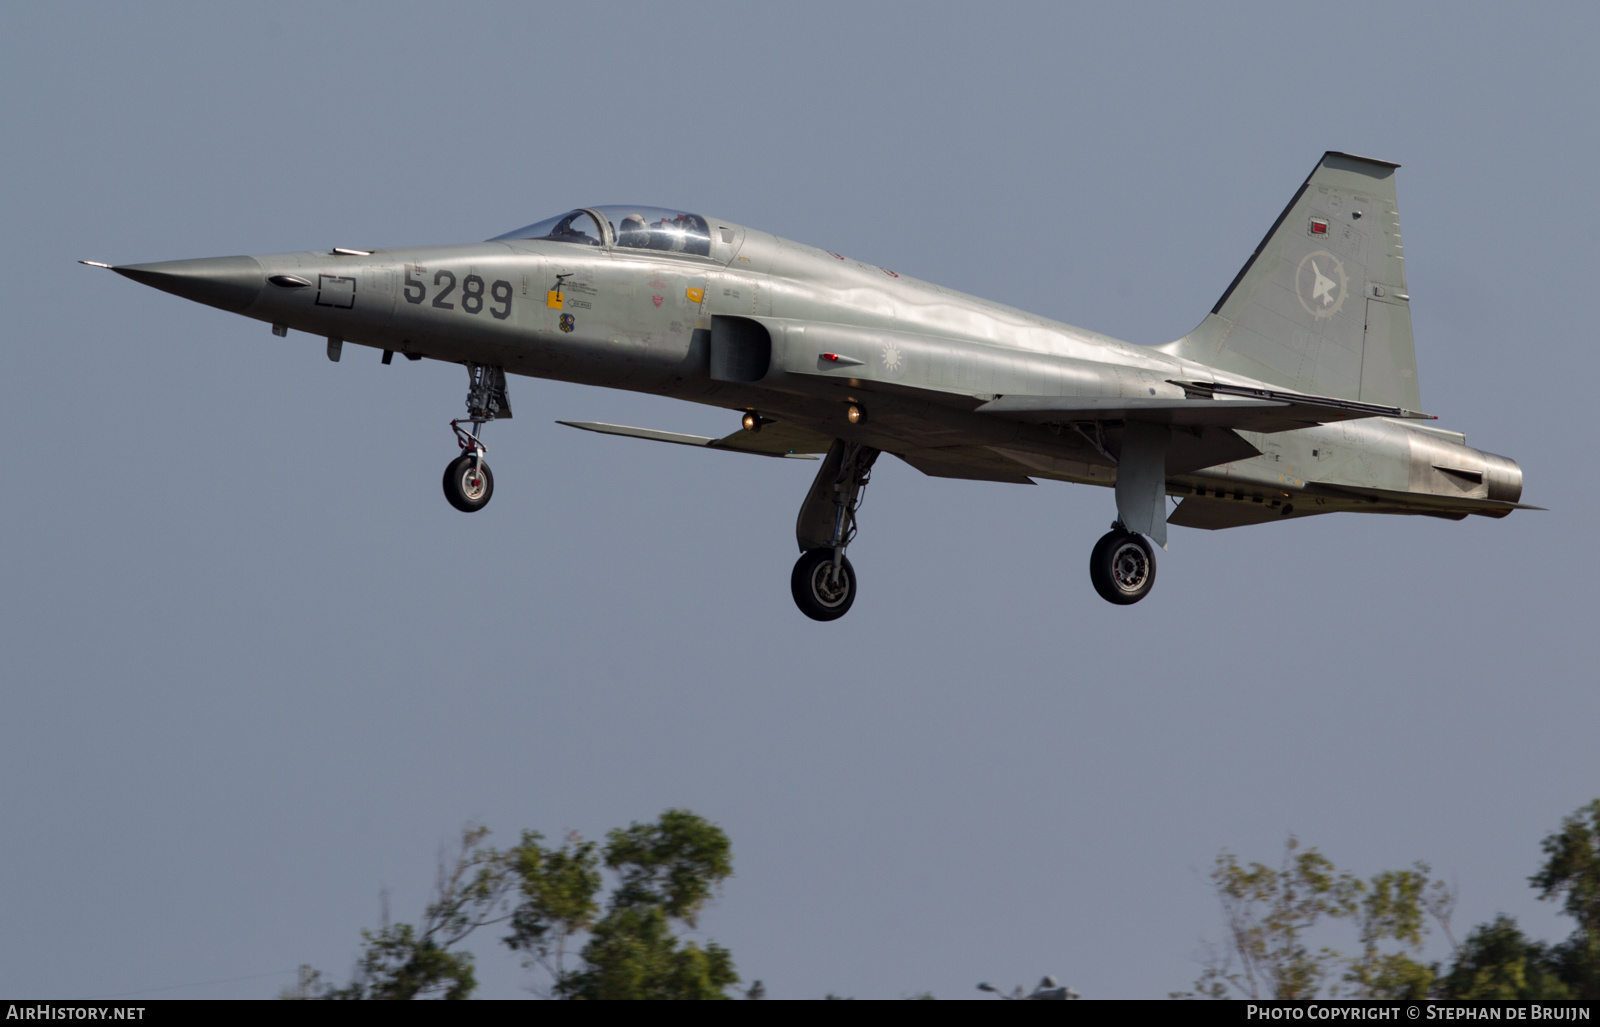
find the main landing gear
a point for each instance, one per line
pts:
(468, 483)
(1122, 566)
(823, 582)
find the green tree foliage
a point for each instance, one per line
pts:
(400, 961)
(1571, 873)
(666, 872)
(1272, 912)
(558, 889)
(673, 864)
(1392, 907)
(1497, 961)
(633, 954)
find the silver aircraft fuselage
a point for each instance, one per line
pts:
(829, 348)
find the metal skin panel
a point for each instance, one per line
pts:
(942, 376)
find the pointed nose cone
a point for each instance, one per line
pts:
(232, 283)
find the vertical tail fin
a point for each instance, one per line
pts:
(1321, 306)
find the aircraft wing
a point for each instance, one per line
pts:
(774, 439)
(975, 463)
(1205, 404)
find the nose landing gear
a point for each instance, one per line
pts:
(1122, 566)
(468, 483)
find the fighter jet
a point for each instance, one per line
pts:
(1296, 395)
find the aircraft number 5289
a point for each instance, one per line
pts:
(471, 292)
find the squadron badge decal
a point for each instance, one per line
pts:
(1320, 283)
(568, 323)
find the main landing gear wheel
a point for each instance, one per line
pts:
(1122, 567)
(468, 483)
(819, 591)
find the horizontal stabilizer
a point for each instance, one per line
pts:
(771, 440)
(1205, 404)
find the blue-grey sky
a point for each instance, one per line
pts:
(255, 669)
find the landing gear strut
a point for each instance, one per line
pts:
(823, 582)
(1122, 566)
(468, 483)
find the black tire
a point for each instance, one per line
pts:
(817, 595)
(1122, 567)
(463, 493)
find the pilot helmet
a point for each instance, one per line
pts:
(633, 231)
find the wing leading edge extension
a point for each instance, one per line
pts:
(772, 440)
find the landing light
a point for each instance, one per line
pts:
(855, 413)
(751, 421)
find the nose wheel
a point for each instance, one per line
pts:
(468, 483)
(1122, 567)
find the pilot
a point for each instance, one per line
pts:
(697, 237)
(669, 235)
(634, 232)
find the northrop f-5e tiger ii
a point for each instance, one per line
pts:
(1297, 395)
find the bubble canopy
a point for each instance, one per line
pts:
(639, 228)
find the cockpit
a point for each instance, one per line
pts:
(640, 228)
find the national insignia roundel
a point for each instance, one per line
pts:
(894, 361)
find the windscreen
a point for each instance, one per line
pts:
(574, 226)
